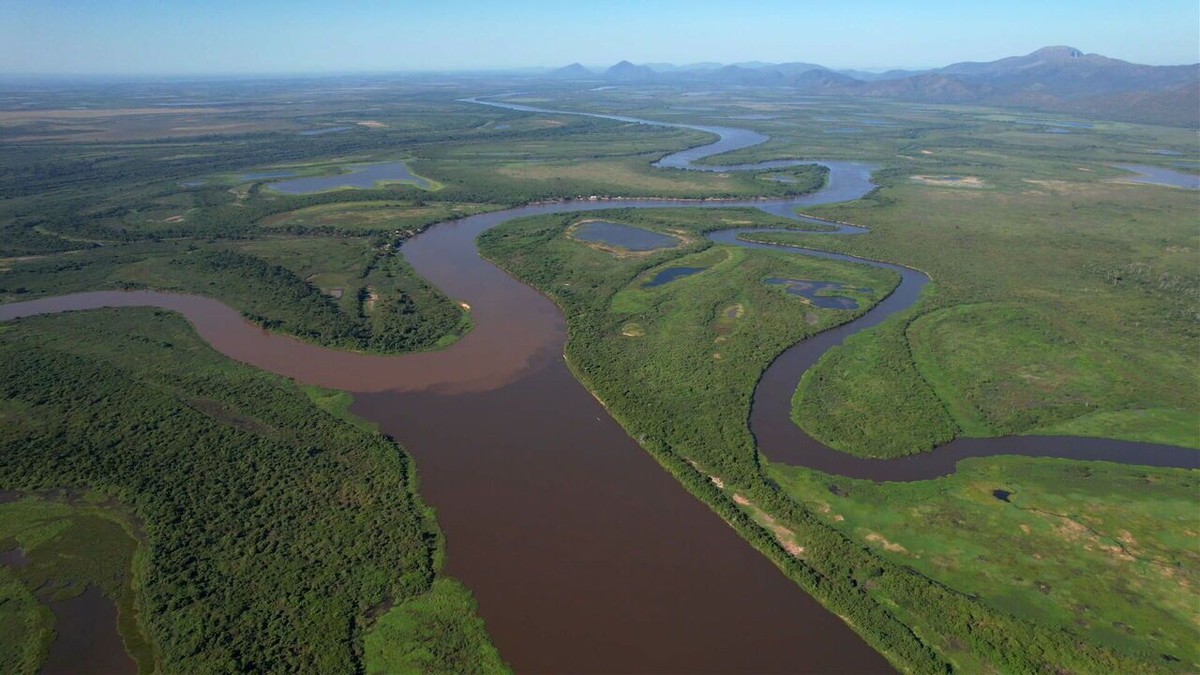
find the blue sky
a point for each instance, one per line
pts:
(268, 36)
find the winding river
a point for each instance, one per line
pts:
(583, 554)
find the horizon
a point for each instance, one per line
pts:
(137, 38)
(596, 69)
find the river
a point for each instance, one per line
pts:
(583, 554)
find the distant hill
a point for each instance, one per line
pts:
(571, 72)
(1060, 79)
(627, 72)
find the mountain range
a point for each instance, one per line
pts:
(1058, 79)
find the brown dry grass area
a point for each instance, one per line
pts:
(950, 181)
(784, 536)
(877, 538)
(633, 330)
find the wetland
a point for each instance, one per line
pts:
(572, 581)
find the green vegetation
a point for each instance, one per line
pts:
(276, 523)
(65, 547)
(431, 634)
(1103, 547)
(835, 402)
(270, 529)
(676, 366)
(1081, 333)
(369, 217)
(351, 293)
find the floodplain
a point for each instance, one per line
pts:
(1089, 331)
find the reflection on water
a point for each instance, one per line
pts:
(623, 236)
(13, 558)
(86, 637)
(1157, 175)
(812, 291)
(671, 274)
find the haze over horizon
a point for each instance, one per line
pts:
(138, 37)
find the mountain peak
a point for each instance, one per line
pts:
(572, 71)
(1058, 52)
(627, 71)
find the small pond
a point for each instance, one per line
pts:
(362, 176)
(1157, 175)
(671, 274)
(13, 558)
(809, 290)
(623, 236)
(86, 637)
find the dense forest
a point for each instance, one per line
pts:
(271, 529)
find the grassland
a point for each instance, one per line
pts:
(270, 532)
(1078, 322)
(1105, 548)
(676, 365)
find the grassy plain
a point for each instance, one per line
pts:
(676, 366)
(1104, 548)
(1079, 320)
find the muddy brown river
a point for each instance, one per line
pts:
(584, 555)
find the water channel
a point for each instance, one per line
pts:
(584, 555)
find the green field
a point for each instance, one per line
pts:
(1107, 549)
(1082, 332)
(676, 365)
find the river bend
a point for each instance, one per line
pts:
(583, 554)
